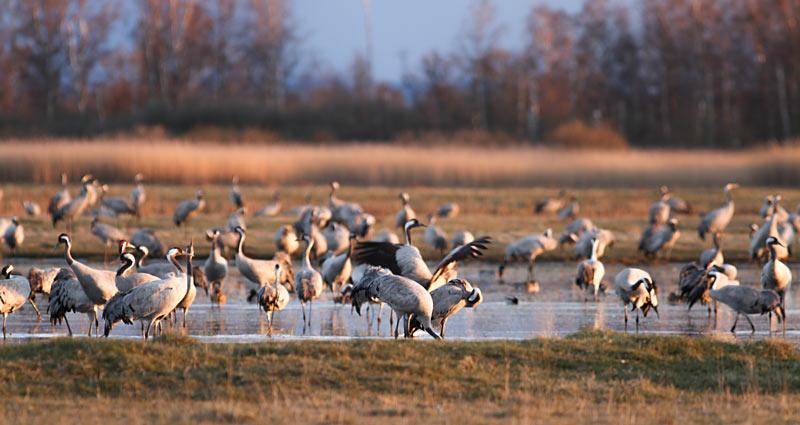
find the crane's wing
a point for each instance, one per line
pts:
(471, 250)
(382, 254)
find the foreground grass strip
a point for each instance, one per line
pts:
(599, 374)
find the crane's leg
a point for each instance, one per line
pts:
(303, 305)
(391, 319)
(269, 319)
(380, 313)
(35, 308)
(149, 326)
(70, 329)
(752, 327)
(625, 309)
(444, 321)
(310, 306)
(185, 312)
(396, 326)
(4, 325)
(530, 270)
(637, 319)
(733, 329)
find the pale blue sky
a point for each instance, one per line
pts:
(334, 29)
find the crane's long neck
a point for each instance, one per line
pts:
(773, 255)
(214, 251)
(728, 198)
(594, 251)
(68, 252)
(125, 268)
(240, 244)
(307, 255)
(408, 235)
(717, 245)
(175, 263)
(189, 276)
(349, 250)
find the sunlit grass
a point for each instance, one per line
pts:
(596, 376)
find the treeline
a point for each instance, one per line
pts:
(678, 73)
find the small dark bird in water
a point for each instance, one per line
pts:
(512, 299)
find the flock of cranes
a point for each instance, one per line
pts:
(334, 252)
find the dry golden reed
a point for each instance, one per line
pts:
(171, 161)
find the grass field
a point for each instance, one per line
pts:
(597, 377)
(171, 161)
(504, 214)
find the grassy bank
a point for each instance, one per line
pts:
(170, 161)
(599, 376)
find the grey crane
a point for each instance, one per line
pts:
(59, 199)
(125, 278)
(272, 298)
(15, 291)
(677, 205)
(147, 237)
(337, 238)
(745, 300)
(712, 279)
(574, 230)
(406, 297)
(190, 295)
(41, 280)
(270, 210)
(636, 287)
(120, 206)
(67, 295)
(107, 234)
(528, 248)
(462, 238)
(571, 210)
(152, 301)
(362, 224)
(713, 257)
(406, 212)
(73, 208)
(663, 240)
(14, 235)
(405, 260)
(307, 282)
(99, 285)
(718, 219)
(187, 209)
(138, 195)
(32, 208)
(450, 209)
(583, 246)
(259, 272)
(660, 210)
(286, 239)
(435, 236)
(591, 273)
(237, 219)
(550, 205)
(770, 207)
(216, 266)
(337, 270)
(236, 195)
(448, 300)
(91, 187)
(758, 246)
(161, 269)
(776, 275)
(342, 211)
